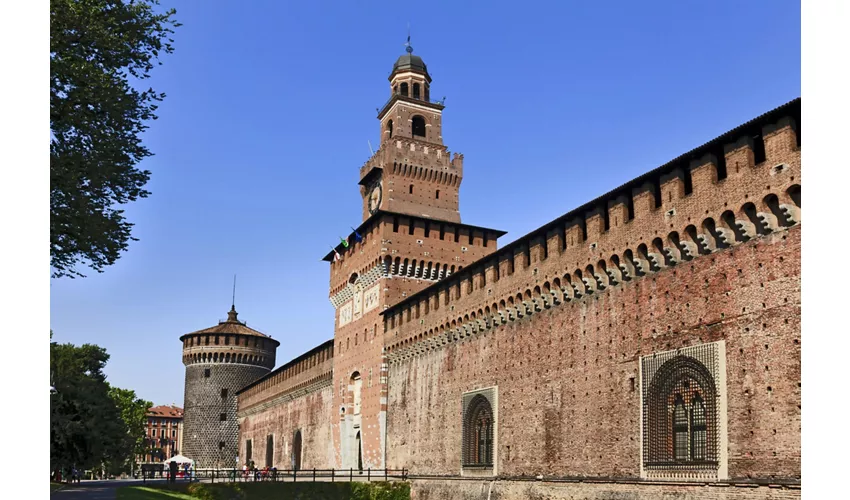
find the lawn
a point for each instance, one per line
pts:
(269, 491)
(145, 493)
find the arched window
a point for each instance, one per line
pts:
(270, 450)
(478, 433)
(404, 89)
(395, 89)
(680, 411)
(427, 92)
(390, 127)
(418, 126)
(416, 91)
(296, 451)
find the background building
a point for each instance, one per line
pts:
(163, 434)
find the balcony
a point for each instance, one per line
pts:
(439, 104)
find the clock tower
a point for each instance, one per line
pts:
(412, 172)
(410, 238)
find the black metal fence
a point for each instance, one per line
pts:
(275, 475)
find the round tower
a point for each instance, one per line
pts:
(219, 361)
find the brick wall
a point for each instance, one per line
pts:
(702, 249)
(567, 376)
(308, 412)
(297, 396)
(437, 489)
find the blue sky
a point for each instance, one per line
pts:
(270, 106)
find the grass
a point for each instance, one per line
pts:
(55, 486)
(146, 493)
(269, 491)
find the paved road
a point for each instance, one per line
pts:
(94, 490)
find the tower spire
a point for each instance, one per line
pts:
(408, 47)
(232, 314)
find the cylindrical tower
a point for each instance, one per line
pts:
(219, 361)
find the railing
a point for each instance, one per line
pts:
(274, 475)
(430, 101)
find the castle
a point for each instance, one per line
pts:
(646, 343)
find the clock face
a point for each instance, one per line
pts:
(375, 198)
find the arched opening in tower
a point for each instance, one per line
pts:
(418, 126)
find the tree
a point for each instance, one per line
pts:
(86, 429)
(133, 412)
(96, 119)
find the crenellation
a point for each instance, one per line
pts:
(574, 235)
(672, 187)
(704, 174)
(643, 199)
(594, 224)
(618, 212)
(537, 249)
(780, 139)
(740, 158)
(668, 247)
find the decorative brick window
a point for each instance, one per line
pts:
(479, 432)
(683, 413)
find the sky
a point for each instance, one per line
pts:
(271, 107)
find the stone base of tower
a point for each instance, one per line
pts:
(209, 419)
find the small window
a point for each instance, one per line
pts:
(411, 189)
(248, 450)
(416, 88)
(222, 417)
(223, 393)
(206, 373)
(437, 195)
(404, 89)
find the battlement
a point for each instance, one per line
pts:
(405, 154)
(419, 229)
(740, 186)
(314, 365)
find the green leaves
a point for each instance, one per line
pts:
(91, 423)
(96, 120)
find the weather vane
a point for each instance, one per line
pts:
(408, 47)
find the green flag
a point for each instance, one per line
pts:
(344, 242)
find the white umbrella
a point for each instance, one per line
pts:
(180, 459)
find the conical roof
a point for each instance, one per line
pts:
(232, 326)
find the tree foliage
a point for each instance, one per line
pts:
(91, 423)
(133, 411)
(96, 121)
